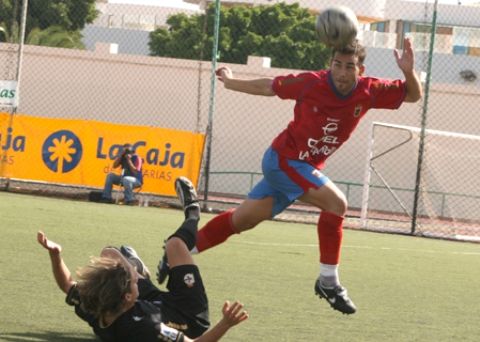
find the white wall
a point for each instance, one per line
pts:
(141, 90)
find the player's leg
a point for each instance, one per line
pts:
(177, 249)
(299, 180)
(188, 230)
(263, 203)
(246, 216)
(111, 179)
(333, 204)
(186, 290)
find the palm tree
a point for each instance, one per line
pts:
(53, 36)
(9, 35)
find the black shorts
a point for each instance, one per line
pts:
(185, 302)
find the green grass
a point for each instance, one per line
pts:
(405, 288)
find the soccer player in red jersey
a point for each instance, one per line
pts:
(328, 107)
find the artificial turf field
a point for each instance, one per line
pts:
(405, 288)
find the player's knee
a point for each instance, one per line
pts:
(337, 205)
(343, 204)
(174, 243)
(340, 206)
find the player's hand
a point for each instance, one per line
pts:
(51, 246)
(406, 62)
(224, 73)
(233, 313)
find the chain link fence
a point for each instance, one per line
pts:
(412, 171)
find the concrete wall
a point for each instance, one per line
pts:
(152, 91)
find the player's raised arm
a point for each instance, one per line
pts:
(406, 63)
(258, 86)
(62, 274)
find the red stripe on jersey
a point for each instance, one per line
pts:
(296, 177)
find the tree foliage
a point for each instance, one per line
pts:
(49, 22)
(53, 36)
(285, 33)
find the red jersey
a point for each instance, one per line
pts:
(324, 119)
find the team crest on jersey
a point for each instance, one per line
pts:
(189, 279)
(358, 110)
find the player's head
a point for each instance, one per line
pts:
(355, 49)
(107, 285)
(346, 65)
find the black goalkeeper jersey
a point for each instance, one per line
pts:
(157, 315)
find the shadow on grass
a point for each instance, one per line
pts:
(46, 336)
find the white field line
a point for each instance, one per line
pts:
(278, 244)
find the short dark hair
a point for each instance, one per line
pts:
(355, 48)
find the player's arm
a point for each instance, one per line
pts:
(406, 63)
(233, 314)
(62, 274)
(118, 161)
(258, 86)
(129, 163)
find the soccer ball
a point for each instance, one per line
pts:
(337, 26)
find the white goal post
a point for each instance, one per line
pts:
(448, 186)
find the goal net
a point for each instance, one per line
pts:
(448, 203)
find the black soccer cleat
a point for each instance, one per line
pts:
(163, 268)
(337, 297)
(188, 197)
(131, 255)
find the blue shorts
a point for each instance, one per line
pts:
(285, 180)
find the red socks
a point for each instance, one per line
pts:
(329, 229)
(330, 232)
(216, 231)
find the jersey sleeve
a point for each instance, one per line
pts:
(386, 93)
(168, 334)
(290, 86)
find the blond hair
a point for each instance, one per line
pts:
(102, 285)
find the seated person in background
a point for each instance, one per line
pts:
(130, 178)
(115, 296)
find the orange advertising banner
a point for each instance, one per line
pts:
(80, 152)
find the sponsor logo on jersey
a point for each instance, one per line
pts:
(323, 144)
(329, 128)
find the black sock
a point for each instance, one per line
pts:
(188, 232)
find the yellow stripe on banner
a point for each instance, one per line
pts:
(80, 152)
